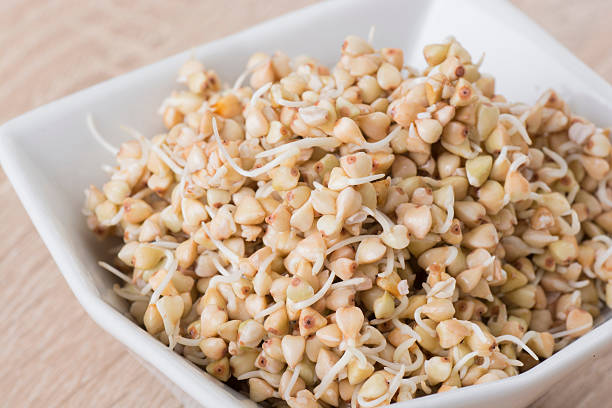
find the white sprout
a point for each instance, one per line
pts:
(173, 155)
(328, 378)
(412, 382)
(108, 169)
(220, 268)
(375, 350)
(170, 266)
(358, 355)
(579, 284)
(421, 324)
(541, 185)
(450, 213)
(588, 272)
(291, 104)
(356, 218)
(525, 214)
(348, 241)
(477, 330)
(511, 361)
(518, 162)
(380, 217)
(388, 264)
(400, 258)
(188, 342)
(260, 92)
(315, 298)
(503, 153)
(382, 142)
(365, 336)
(480, 60)
(538, 277)
(354, 396)
(212, 212)
(266, 262)
(373, 403)
(395, 383)
(116, 219)
(602, 191)
(486, 362)
(600, 291)
(272, 379)
(197, 360)
(218, 176)
(223, 279)
(166, 159)
(323, 142)
(317, 186)
(256, 172)
(403, 288)
(371, 34)
(562, 170)
(99, 138)
(443, 289)
(517, 126)
(518, 342)
(564, 148)
(402, 348)
(146, 289)
(464, 361)
(291, 384)
(318, 264)
(603, 238)
(265, 190)
(398, 311)
(349, 282)
(248, 71)
(329, 93)
(463, 371)
(476, 147)
(386, 363)
(165, 244)
(362, 180)
(571, 331)
(126, 294)
(115, 271)
(143, 193)
(172, 330)
(228, 253)
(602, 256)
(269, 310)
(405, 329)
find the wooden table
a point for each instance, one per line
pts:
(52, 353)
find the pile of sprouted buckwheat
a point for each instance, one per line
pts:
(363, 234)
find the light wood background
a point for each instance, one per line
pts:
(51, 352)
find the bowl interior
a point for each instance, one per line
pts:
(51, 157)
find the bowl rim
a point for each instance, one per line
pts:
(204, 388)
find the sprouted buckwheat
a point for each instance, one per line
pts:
(363, 235)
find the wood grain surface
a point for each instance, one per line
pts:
(52, 353)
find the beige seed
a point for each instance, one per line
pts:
(293, 349)
(579, 318)
(249, 212)
(388, 76)
(370, 250)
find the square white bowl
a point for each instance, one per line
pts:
(50, 157)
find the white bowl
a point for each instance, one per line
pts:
(50, 157)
